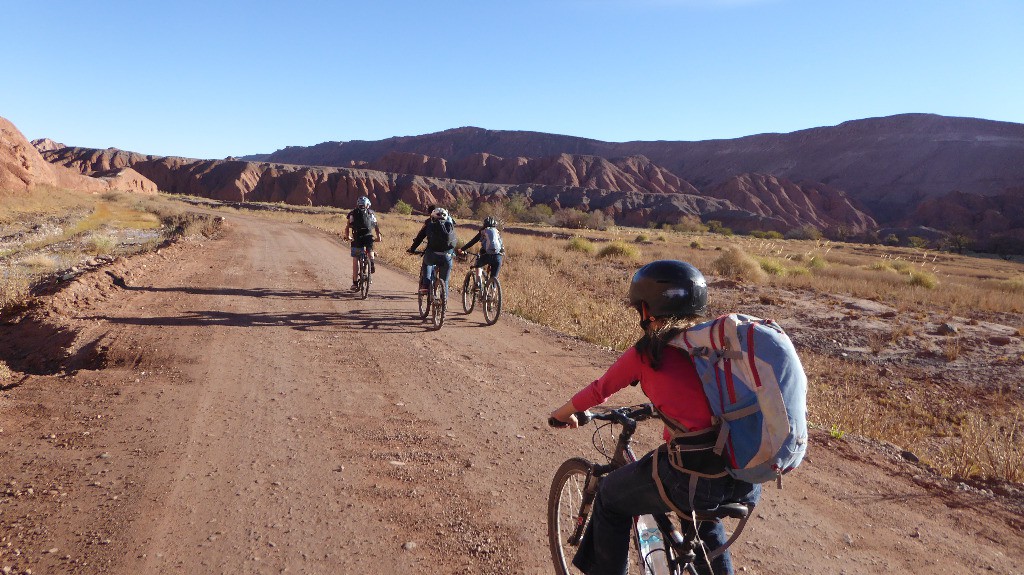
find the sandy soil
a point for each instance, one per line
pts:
(231, 410)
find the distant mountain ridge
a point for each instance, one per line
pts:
(888, 164)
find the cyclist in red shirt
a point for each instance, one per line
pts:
(669, 295)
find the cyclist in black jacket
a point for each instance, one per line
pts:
(439, 231)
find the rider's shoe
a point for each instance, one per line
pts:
(355, 286)
(373, 268)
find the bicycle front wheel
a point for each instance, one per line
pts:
(492, 301)
(468, 293)
(364, 279)
(567, 518)
(423, 299)
(440, 303)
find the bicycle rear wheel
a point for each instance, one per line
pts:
(468, 293)
(492, 301)
(566, 517)
(364, 278)
(440, 303)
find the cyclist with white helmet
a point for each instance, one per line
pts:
(668, 295)
(491, 249)
(439, 231)
(360, 230)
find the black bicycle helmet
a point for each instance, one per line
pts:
(490, 222)
(670, 288)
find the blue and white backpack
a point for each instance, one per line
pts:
(757, 389)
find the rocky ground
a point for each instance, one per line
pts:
(225, 407)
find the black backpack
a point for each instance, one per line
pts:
(441, 236)
(362, 222)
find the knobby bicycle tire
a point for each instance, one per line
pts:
(492, 301)
(564, 506)
(439, 303)
(364, 278)
(469, 292)
(423, 299)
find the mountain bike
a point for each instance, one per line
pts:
(480, 284)
(434, 302)
(365, 277)
(659, 545)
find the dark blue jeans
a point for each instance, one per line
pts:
(631, 491)
(443, 261)
(493, 260)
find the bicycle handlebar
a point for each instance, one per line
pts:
(628, 416)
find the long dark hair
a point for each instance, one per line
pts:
(652, 345)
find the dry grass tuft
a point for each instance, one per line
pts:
(738, 264)
(619, 250)
(580, 244)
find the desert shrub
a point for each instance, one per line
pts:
(902, 267)
(619, 250)
(661, 238)
(805, 232)
(538, 214)
(578, 244)
(923, 279)
(817, 262)
(598, 220)
(39, 263)
(882, 267)
(14, 286)
(917, 242)
(99, 244)
(695, 245)
(642, 239)
(738, 264)
(569, 218)
(402, 208)
(770, 235)
(773, 267)
(716, 227)
(689, 225)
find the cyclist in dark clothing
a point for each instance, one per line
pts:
(360, 229)
(439, 231)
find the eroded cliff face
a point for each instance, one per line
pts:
(22, 168)
(782, 205)
(887, 164)
(632, 190)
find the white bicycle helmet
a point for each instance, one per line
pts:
(363, 202)
(439, 214)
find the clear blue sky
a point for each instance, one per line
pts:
(210, 79)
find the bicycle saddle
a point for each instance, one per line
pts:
(733, 510)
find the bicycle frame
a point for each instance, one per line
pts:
(680, 547)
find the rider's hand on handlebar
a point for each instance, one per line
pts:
(564, 416)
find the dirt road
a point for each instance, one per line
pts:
(239, 413)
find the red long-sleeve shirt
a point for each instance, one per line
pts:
(675, 389)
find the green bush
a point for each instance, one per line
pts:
(642, 239)
(773, 267)
(923, 279)
(402, 208)
(578, 244)
(620, 250)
